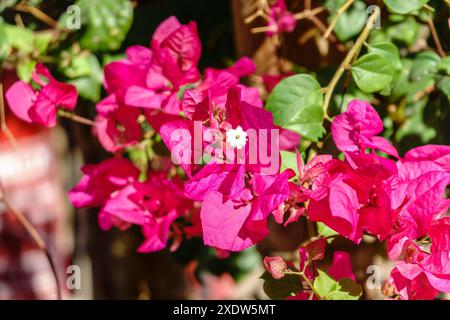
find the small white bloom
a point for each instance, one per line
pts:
(237, 138)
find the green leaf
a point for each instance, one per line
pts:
(85, 73)
(25, 69)
(4, 42)
(289, 161)
(404, 6)
(87, 88)
(347, 289)
(325, 231)
(20, 38)
(351, 21)
(444, 65)
(425, 64)
(42, 40)
(389, 51)
(139, 157)
(324, 284)
(278, 289)
(444, 86)
(406, 31)
(296, 104)
(105, 23)
(372, 72)
(415, 126)
(330, 289)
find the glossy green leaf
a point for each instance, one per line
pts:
(324, 284)
(372, 72)
(389, 51)
(404, 6)
(346, 289)
(296, 104)
(425, 65)
(289, 161)
(105, 23)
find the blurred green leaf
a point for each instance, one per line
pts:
(105, 23)
(25, 69)
(351, 21)
(406, 31)
(405, 6)
(425, 64)
(21, 39)
(444, 65)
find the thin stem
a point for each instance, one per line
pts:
(38, 14)
(310, 284)
(302, 274)
(33, 233)
(336, 17)
(308, 13)
(4, 127)
(351, 54)
(435, 37)
(76, 118)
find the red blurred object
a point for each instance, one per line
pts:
(30, 177)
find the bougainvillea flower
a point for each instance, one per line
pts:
(418, 288)
(280, 19)
(41, 106)
(235, 224)
(99, 181)
(276, 266)
(353, 196)
(357, 127)
(118, 129)
(218, 81)
(153, 205)
(417, 269)
(341, 267)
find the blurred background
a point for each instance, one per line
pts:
(45, 163)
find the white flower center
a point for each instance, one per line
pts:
(236, 138)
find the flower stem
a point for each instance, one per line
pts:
(354, 51)
(76, 118)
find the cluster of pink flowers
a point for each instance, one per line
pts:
(401, 201)
(160, 91)
(41, 106)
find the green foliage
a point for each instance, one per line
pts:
(325, 231)
(405, 6)
(105, 23)
(372, 72)
(296, 104)
(84, 71)
(278, 289)
(330, 289)
(289, 161)
(351, 21)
